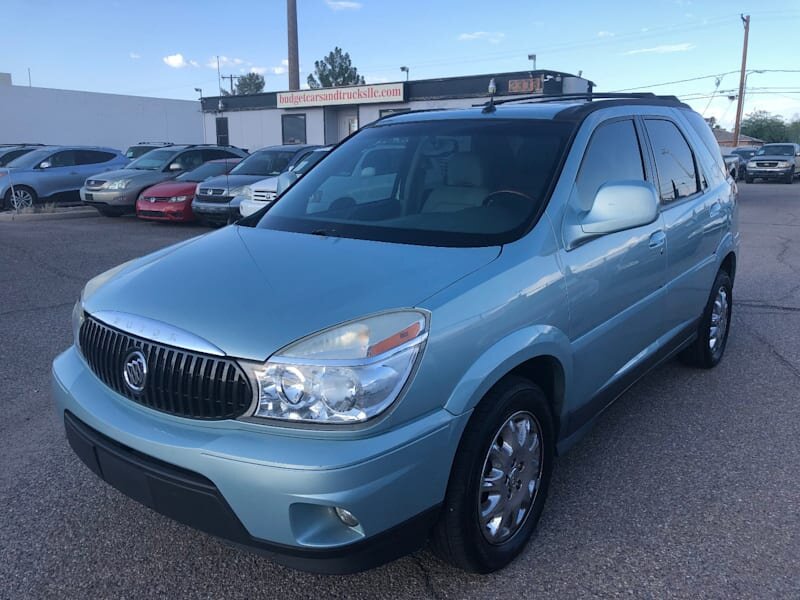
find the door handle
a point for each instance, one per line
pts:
(657, 239)
(715, 209)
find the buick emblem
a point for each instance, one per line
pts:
(134, 371)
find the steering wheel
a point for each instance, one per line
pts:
(490, 199)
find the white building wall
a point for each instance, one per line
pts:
(51, 116)
(254, 129)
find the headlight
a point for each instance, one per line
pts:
(783, 163)
(179, 198)
(119, 184)
(77, 319)
(347, 374)
(238, 191)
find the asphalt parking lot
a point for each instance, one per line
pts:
(687, 487)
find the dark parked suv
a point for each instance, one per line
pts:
(115, 193)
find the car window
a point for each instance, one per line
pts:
(12, 155)
(91, 157)
(776, 150)
(65, 158)
(265, 163)
(675, 164)
(473, 182)
(135, 152)
(155, 160)
(613, 154)
(309, 161)
(191, 159)
(217, 153)
(203, 172)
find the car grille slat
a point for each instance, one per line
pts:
(179, 382)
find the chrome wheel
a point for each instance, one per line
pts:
(511, 474)
(21, 198)
(719, 321)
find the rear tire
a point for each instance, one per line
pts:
(712, 332)
(499, 480)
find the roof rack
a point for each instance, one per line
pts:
(589, 96)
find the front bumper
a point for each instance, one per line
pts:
(269, 488)
(126, 197)
(216, 211)
(768, 172)
(164, 211)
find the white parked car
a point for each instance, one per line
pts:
(262, 193)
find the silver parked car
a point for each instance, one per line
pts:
(430, 330)
(49, 171)
(114, 194)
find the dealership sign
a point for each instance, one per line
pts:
(357, 94)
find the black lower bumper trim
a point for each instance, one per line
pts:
(194, 500)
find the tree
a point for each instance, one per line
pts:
(333, 70)
(793, 130)
(252, 83)
(765, 126)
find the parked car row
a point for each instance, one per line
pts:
(774, 161)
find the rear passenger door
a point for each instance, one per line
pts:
(614, 281)
(694, 207)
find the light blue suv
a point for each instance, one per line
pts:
(361, 368)
(53, 170)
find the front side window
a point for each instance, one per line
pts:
(613, 154)
(475, 182)
(675, 164)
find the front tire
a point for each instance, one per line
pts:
(712, 334)
(499, 481)
(748, 179)
(22, 197)
(789, 178)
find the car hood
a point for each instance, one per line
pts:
(168, 189)
(229, 181)
(270, 184)
(250, 292)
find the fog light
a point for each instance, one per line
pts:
(346, 517)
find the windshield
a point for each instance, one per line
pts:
(476, 182)
(211, 169)
(155, 160)
(30, 160)
(776, 150)
(744, 153)
(10, 155)
(309, 161)
(266, 163)
(136, 151)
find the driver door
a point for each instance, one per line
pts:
(57, 177)
(615, 282)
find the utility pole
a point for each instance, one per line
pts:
(231, 77)
(291, 30)
(740, 105)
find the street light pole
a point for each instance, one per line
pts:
(742, 79)
(532, 58)
(202, 112)
(405, 70)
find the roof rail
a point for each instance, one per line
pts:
(411, 112)
(589, 96)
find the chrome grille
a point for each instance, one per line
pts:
(767, 164)
(178, 382)
(264, 195)
(156, 198)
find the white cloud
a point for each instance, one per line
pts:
(493, 37)
(258, 70)
(663, 49)
(343, 5)
(278, 70)
(224, 61)
(134, 55)
(194, 63)
(176, 61)
(605, 34)
(285, 62)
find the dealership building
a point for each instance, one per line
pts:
(328, 115)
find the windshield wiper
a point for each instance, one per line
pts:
(323, 232)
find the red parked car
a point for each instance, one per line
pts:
(172, 200)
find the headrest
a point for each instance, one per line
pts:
(465, 170)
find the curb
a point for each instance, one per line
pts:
(74, 213)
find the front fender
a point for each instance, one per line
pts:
(501, 358)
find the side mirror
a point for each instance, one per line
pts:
(45, 164)
(285, 180)
(176, 166)
(621, 205)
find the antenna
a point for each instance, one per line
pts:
(489, 108)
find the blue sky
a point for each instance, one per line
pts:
(153, 48)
